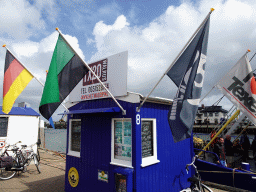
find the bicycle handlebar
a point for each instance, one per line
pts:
(32, 145)
(193, 163)
(13, 145)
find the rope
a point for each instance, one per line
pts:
(228, 114)
(218, 101)
(207, 94)
(252, 58)
(227, 172)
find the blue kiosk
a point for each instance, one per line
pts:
(111, 152)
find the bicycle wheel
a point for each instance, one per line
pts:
(4, 174)
(37, 163)
(7, 174)
(205, 188)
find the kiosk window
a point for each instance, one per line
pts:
(148, 142)
(75, 137)
(3, 126)
(147, 138)
(121, 142)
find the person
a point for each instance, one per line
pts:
(245, 142)
(220, 151)
(228, 145)
(253, 147)
(213, 133)
(238, 153)
(209, 156)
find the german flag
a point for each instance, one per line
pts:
(16, 78)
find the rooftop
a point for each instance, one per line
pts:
(27, 111)
(204, 109)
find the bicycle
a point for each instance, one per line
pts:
(30, 155)
(196, 184)
(19, 161)
(10, 164)
(6, 149)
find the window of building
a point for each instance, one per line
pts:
(148, 142)
(200, 115)
(74, 137)
(216, 114)
(121, 152)
(3, 126)
(210, 114)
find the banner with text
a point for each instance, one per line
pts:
(112, 71)
(239, 86)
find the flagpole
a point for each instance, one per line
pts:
(248, 50)
(226, 124)
(180, 53)
(207, 94)
(30, 72)
(87, 66)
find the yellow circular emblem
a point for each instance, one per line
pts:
(73, 177)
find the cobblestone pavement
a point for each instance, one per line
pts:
(51, 178)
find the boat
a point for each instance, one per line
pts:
(244, 178)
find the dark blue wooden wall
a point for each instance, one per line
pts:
(167, 175)
(95, 146)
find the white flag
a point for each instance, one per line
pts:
(239, 86)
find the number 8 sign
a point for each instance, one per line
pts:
(138, 119)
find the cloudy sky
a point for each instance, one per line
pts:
(152, 31)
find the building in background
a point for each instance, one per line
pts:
(21, 124)
(210, 115)
(23, 104)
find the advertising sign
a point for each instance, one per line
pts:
(102, 175)
(73, 177)
(112, 71)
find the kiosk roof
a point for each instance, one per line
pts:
(21, 111)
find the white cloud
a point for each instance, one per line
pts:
(48, 8)
(36, 57)
(102, 29)
(48, 44)
(152, 48)
(73, 41)
(38, 54)
(26, 48)
(109, 9)
(19, 19)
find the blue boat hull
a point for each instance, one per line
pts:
(222, 175)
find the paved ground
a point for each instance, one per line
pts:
(51, 179)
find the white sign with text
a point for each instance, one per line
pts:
(112, 71)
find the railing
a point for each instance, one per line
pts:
(202, 157)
